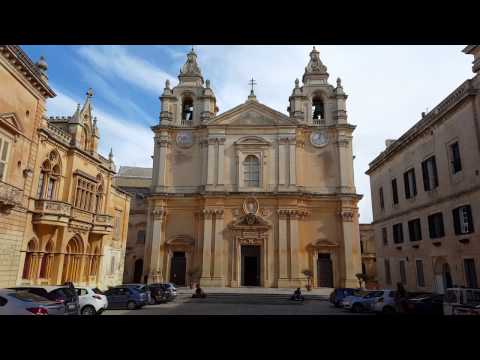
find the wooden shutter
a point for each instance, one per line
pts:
(426, 182)
(456, 221)
(414, 182)
(395, 191)
(435, 173)
(407, 185)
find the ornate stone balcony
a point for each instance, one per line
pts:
(10, 196)
(102, 224)
(51, 212)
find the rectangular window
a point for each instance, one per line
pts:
(388, 274)
(84, 194)
(410, 184)
(455, 158)
(463, 220)
(435, 226)
(420, 275)
(4, 147)
(382, 203)
(470, 273)
(398, 233)
(384, 236)
(430, 175)
(403, 273)
(415, 230)
(394, 191)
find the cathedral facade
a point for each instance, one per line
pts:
(252, 196)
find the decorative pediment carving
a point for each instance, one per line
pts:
(322, 244)
(250, 222)
(181, 240)
(11, 122)
(252, 141)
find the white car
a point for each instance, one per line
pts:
(386, 303)
(13, 302)
(92, 301)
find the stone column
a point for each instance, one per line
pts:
(282, 161)
(156, 256)
(293, 162)
(221, 160)
(294, 247)
(211, 162)
(282, 248)
(218, 268)
(351, 240)
(207, 245)
(40, 261)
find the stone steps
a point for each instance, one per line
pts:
(238, 298)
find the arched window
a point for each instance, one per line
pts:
(252, 171)
(141, 237)
(318, 109)
(99, 195)
(187, 109)
(47, 261)
(72, 259)
(29, 265)
(49, 177)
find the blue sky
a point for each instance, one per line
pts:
(388, 88)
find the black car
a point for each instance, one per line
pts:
(426, 304)
(339, 294)
(61, 294)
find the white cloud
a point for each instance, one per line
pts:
(132, 144)
(117, 61)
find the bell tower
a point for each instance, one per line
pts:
(190, 103)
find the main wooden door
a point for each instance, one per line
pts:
(138, 270)
(178, 268)
(250, 265)
(325, 271)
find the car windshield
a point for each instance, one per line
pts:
(28, 296)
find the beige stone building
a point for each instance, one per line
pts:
(426, 196)
(368, 250)
(251, 196)
(69, 222)
(137, 182)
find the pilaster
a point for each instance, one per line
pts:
(156, 256)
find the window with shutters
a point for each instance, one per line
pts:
(398, 233)
(403, 272)
(4, 154)
(420, 274)
(430, 175)
(415, 230)
(394, 191)
(463, 220)
(435, 226)
(410, 184)
(382, 203)
(470, 273)
(388, 274)
(384, 236)
(455, 158)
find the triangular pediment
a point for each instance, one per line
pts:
(254, 114)
(11, 121)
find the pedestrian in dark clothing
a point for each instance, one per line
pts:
(199, 293)
(297, 295)
(401, 298)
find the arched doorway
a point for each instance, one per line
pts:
(72, 260)
(178, 268)
(138, 270)
(29, 264)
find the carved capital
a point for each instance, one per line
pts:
(347, 215)
(159, 213)
(283, 140)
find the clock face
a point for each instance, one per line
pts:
(318, 139)
(185, 139)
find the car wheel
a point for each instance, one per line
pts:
(131, 305)
(357, 308)
(88, 310)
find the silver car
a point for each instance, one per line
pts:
(14, 302)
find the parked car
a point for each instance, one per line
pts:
(170, 291)
(362, 301)
(62, 294)
(339, 294)
(92, 301)
(461, 301)
(157, 294)
(426, 304)
(126, 296)
(142, 288)
(18, 302)
(385, 304)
